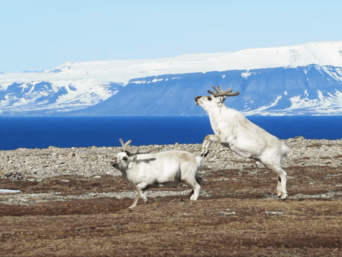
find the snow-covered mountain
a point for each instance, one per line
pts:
(297, 80)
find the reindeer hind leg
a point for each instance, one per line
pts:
(282, 176)
(279, 187)
(195, 188)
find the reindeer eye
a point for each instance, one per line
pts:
(124, 158)
(209, 98)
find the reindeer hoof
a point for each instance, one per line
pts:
(284, 197)
(204, 154)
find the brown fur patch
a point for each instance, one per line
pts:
(187, 157)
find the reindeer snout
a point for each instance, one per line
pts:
(197, 98)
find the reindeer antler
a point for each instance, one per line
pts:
(222, 93)
(124, 145)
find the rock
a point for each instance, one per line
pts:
(8, 174)
(70, 155)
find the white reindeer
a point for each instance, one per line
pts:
(234, 131)
(158, 170)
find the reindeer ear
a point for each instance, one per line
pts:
(147, 160)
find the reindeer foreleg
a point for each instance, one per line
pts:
(206, 143)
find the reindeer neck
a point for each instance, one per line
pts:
(124, 172)
(221, 114)
(217, 111)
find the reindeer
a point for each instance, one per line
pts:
(145, 170)
(234, 131)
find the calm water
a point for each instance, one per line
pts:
(106, 131)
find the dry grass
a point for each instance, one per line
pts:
(235, 221)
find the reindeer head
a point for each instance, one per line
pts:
(123, 159)
(218, 97)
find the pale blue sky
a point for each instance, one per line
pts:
(42, 34)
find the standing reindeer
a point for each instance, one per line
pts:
(161, 169)
(234, 131)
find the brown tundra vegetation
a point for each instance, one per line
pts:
(73, 203)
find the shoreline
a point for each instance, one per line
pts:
(36, 164)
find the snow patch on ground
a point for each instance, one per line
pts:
(6, 191)
(263, 108)
(331, 104)
(156, 80)
(247, 74)
(139, 82)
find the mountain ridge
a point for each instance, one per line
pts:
(88, 88)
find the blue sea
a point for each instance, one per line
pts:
(42, 132)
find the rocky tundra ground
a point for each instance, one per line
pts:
(73, 203)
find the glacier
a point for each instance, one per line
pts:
(293, 80)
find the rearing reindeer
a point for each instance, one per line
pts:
(234, 131)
